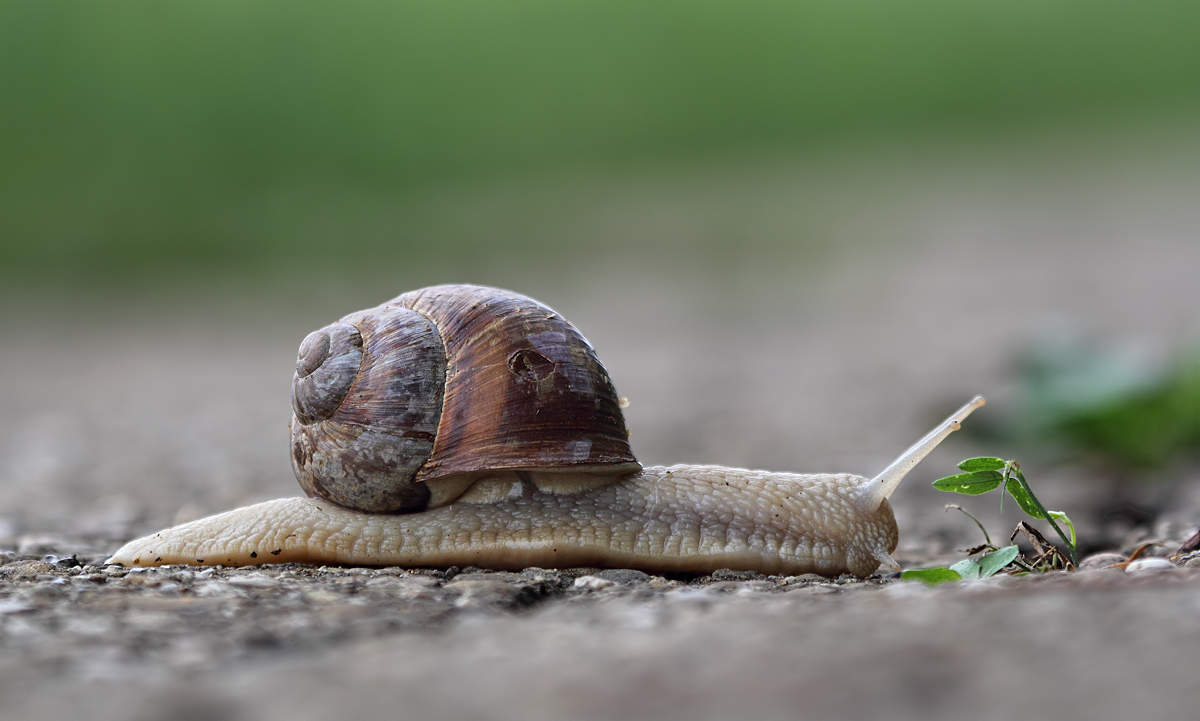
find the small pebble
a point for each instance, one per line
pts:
(1101, 560)
(725, 574)
(483, 593)
(802, 579)
(592, 582)
(22, 570)
(1150, 564)
(623, 576)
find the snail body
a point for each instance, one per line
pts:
(461, 425)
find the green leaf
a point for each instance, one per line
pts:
(970, 484)
(1062, 518)
(968, 569)
(982, 464)
(931, 576)
(996, 560)
(1017, 491)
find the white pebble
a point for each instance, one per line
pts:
(253, 582)
(592, 582)
(1149, 564)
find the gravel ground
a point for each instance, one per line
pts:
(296, 641)
(178, 410)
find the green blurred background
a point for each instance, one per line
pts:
(142, 142)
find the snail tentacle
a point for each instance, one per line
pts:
(882, 486)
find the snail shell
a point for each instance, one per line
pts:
(400, 408)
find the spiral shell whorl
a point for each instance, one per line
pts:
(364, 452)
(326, 366)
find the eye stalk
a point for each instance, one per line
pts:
(326, 365)
(881, 487)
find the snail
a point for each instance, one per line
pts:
(469, 426)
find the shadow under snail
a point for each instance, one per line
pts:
(461, 425)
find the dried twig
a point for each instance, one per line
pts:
(1191, 544)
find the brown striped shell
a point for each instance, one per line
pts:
(443, 383)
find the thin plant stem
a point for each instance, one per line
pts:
(1020, 563)
(987, 539)
(1020, 478)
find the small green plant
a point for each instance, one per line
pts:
(982, 475)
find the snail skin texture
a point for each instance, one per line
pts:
(563, 492)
